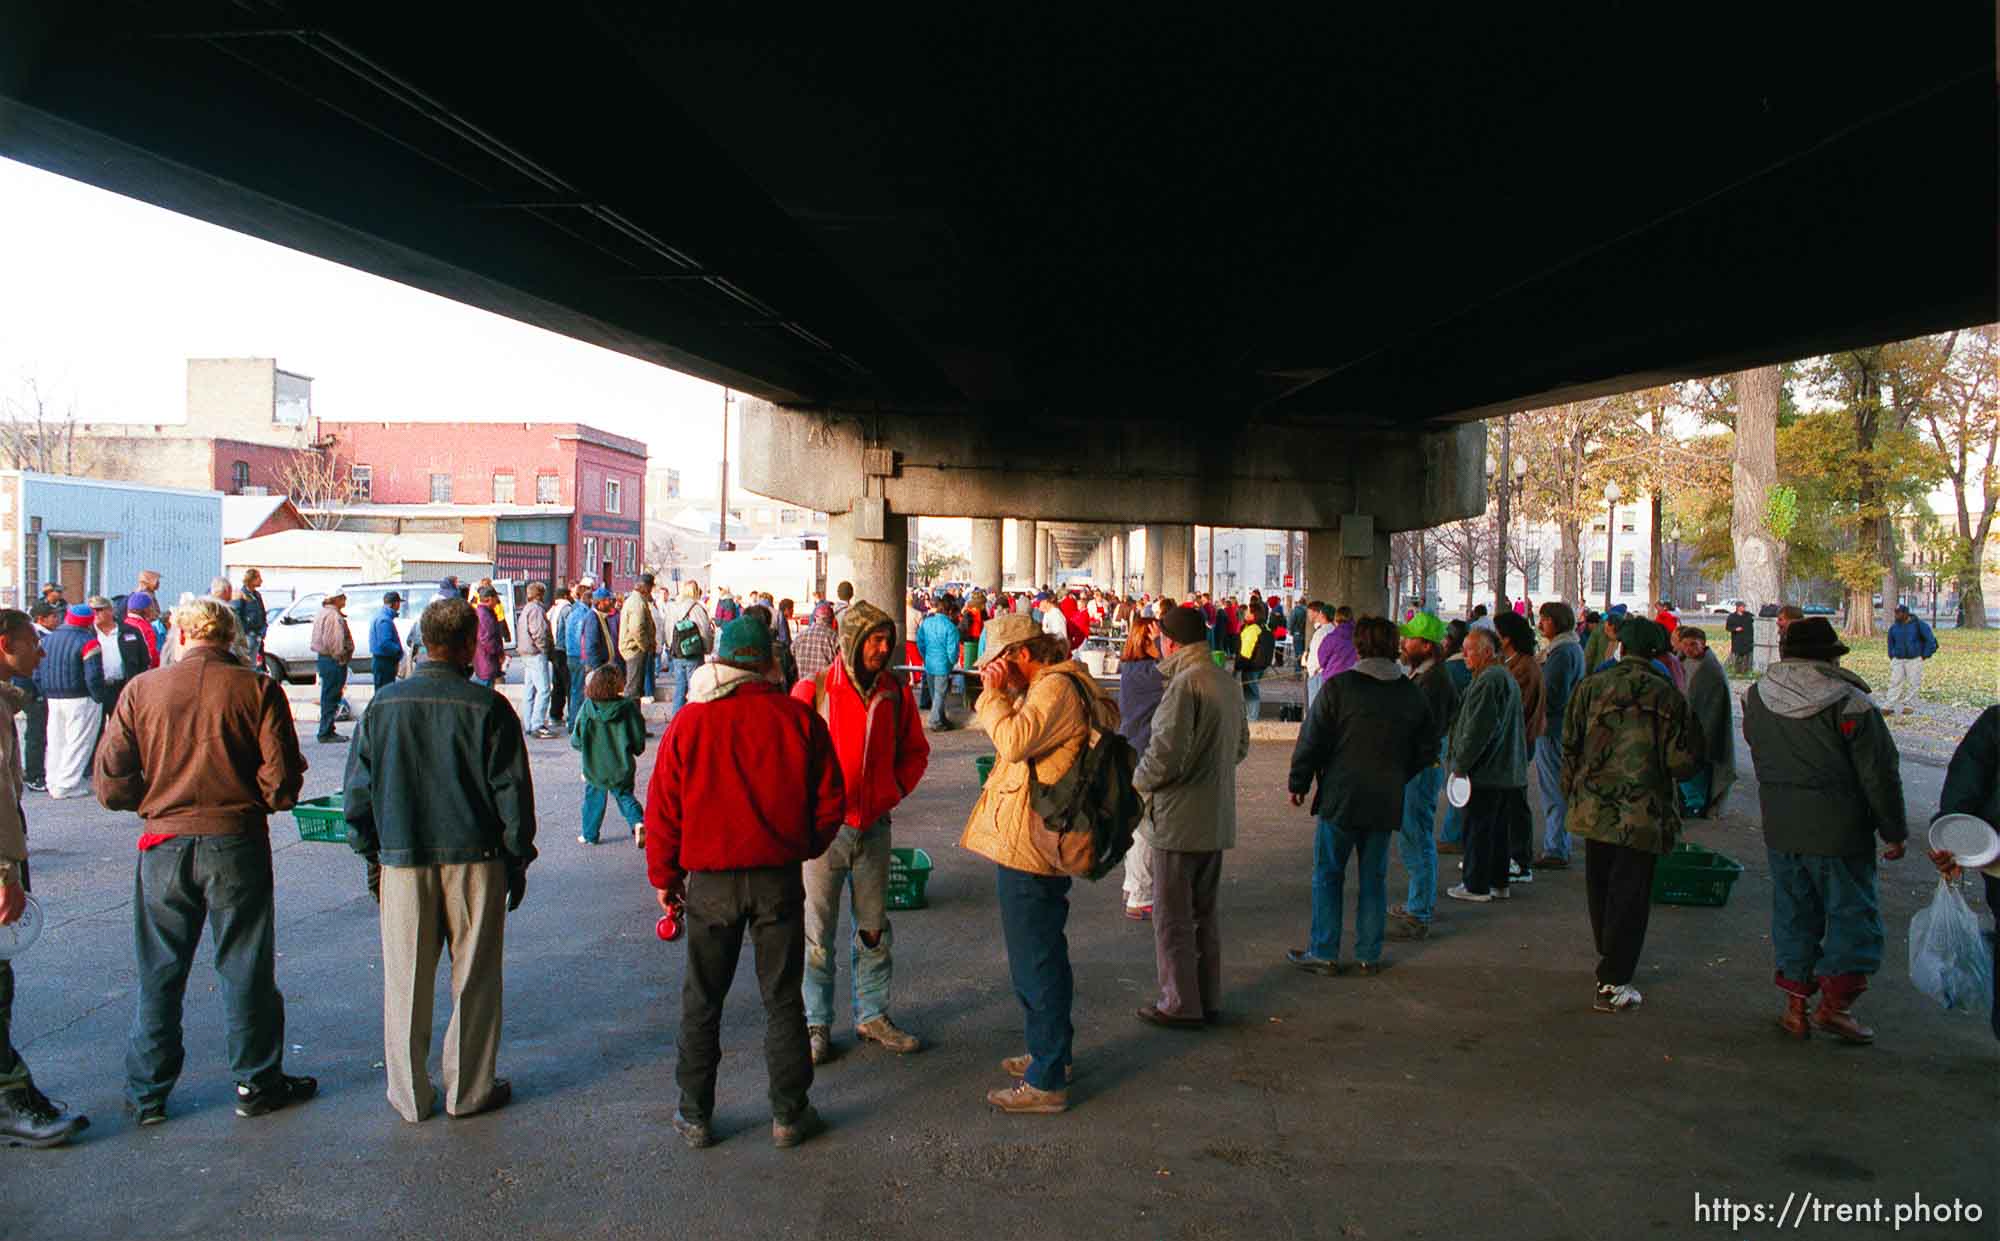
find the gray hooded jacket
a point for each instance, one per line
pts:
(1829, 779)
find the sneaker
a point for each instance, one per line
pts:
(1526, 876)
(30, 1118)
(1370, 969)
(1617, 999)
(1016, 1067)
(1023, 1099)
(1504, 894)
(786, 1134)
(261, 1100)
(1459, 892)
(885, 1033)
(585, 840)
(39, 786)
(821, 1040)
(638, 837)
(694, 1132)
(1306, 961)
(146, 1115)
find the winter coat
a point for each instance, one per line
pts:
(1140, 685)
(1370, 729)
(1335, 649)
(1742, 630)
(384, 642)
(938, 644)
(61, 672)
(1487, 741)
(610, 736)
(489, 652)
(1562, 668)
(251, 615)
(595, 638)
(1912, 639)
(1044, 730)
(1187, 771)
(1972, 782)
(1441, 694)
(816, 649)
(1627, 737)
(745, 778)
(1528, 677)
(1596, 648)
(878, 735)
(330, 635)
(1708, 697)
(1829, 779)
(533, 638)
(124, 644)
(636, 635)
(438, 775)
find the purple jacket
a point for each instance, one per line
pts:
(1336, 651)
(486, 656)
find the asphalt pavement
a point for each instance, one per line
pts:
(1469, 1091)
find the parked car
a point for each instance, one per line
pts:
(1723, 607)
(288, 653)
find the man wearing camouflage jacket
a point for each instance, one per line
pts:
(1627, 736)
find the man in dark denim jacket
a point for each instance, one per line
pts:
(438, 793)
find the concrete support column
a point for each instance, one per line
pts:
(1177, 561)
(1121, 551)
(987, 533)
(880, 570)
(1153, 575)
(1360, 582)
(1027, 554)
(1045, 560)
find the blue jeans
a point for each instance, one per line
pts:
(1033, 910)
(1417, 842)
(647, 672)
(383, 668)
(535, 680)
(1253, 693)
(1332, 844)
(577, 674)
(940, 684)
(1313, 684)
(182, 884)
(593, 809)
(857, 861)
(1824, 916)
(1548, 777)
(332, 683)
(680, 670)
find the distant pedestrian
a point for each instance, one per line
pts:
(205, 751)
(385, 642)
(1187, 772)
(940, 649)
(689, 639)
(727, 837)
(1424, 657)
(610, 733)
(75, 716)
(559, 696)
(819, 645)
(1254, 650)
(1561, 664)
(333, 649)
(252, 617)
(115, 654)
(438, 799)
(1517, 652)
(1627, 736)
(1371, 730)
(531, 643)
(1911, 642)
(1708, 695)
(1140, 686)
(27, 1116)
(1829, 783)
(489, 656)
(1488, 748)
(638, 638)
(1742, 630)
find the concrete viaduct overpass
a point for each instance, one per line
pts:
(1083, 267)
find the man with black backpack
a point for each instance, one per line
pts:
(1189, 774)
(1253, 658)
(690, 635)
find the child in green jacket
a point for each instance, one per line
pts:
(610, 733)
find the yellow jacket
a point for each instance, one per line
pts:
(1046, 730)
(1247, 648)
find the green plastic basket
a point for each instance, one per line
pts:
(320, 819)
(984, 765)
(909, 871)
(1693, 875)
(1221, 658)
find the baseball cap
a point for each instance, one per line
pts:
(1003, 633)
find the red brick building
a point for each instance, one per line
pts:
(550, 500)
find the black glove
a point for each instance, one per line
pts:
(517, 886)
(375, 880)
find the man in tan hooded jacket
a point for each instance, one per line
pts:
(1041, 709)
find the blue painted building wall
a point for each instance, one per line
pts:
(174, 531)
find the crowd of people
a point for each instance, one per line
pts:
(793, 739)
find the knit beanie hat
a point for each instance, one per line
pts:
(744, 643)
(1642, 637)
(1185, 626)
(79, 611)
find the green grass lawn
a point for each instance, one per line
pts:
(1964, 673)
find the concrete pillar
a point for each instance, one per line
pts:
(880, 570)
(1121, 551)
(1027, 555)
(1045, 560)
(1177, 561)
(1360, 582)
(1153, 576)
(986, 538)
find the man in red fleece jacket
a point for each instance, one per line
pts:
(745, 789)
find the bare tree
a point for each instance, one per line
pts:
(35, 436)
(315, 482)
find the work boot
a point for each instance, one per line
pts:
(1403, 926)
(885, 1032)
(30, 1118)
(1794, 1021)
(694, 1132)
(786, 1134)
(821, 1040)
(1023, 1099)
(1833, 1016)
(1016, 1067)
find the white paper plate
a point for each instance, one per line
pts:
(18, 938)
(1458, 791)
(1968, 838)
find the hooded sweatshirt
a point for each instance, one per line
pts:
(610, 736)
(877, 731)
(1829, 779)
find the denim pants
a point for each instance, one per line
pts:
(1548, 777)
(1033, 911)
(1313, 684)
(593, 809)
(382, 670)
(940, 686)
(578, 674)
(680, 670)
(224, 881)
(332, 683)
(1824, 917)
(1417, 842)
(1332, 844)
(859, 862)
(535, 678)
(1253, 693)
(723, 906)
(649, 672)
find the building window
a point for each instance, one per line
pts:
(1600, 577)
(239, 476)
(791, 517)
(548, 489)
(440, 489)
(613, 496)
(361, 481)
(1627, 574)
(503, 488)
(631, 556)
(673, 484)
(1626, 527)
(1534, 570)
(590, 556)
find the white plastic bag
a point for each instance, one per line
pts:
(1949, 960)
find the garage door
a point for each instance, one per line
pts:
(526, 562)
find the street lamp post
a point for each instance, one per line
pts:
(1611, 494)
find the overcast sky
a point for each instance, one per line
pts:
(105, 298)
